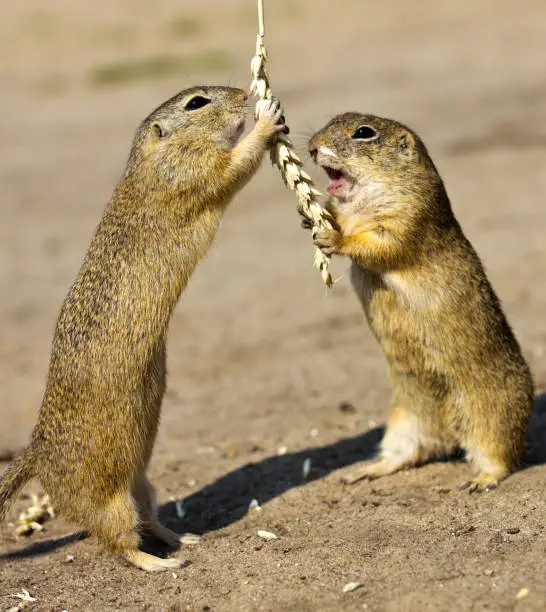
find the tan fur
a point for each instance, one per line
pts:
(458, 375)
(100, 412)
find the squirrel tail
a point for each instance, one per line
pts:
(21, 470)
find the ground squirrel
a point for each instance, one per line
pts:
(100, 412)
(459, 378)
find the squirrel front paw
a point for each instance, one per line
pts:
(329, 241)
(271, 117)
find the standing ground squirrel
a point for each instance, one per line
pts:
(100, 412)
(459, 378)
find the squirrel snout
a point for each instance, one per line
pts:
(313, 153)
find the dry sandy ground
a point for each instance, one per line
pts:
(259, 357)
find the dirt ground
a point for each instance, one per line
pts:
(260, 361)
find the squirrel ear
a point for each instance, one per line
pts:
(161, 131)
(407, 144)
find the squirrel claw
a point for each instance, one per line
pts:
(481, 484)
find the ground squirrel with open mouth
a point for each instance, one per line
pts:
(459, 378)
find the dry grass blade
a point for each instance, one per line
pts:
(284, 157)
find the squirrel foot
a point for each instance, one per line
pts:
(369, 471)
(150, 563)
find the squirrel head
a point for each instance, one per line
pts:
(187, 130)
(372, 160)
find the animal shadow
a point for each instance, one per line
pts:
(227, 499)
(44, 546)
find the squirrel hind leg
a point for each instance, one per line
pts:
(116, 528)
(144, 496)
(405, 444)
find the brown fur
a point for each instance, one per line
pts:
(100, 412)
(458, 375)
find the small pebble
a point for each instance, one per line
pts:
(266, 535)
(306, 468)
(522, 593)
(70, 558)
(282, 450)
(254, 505)
(347, 408)
(351, 586)
(513, 530)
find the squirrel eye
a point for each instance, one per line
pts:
(365, 132)
(196, 102)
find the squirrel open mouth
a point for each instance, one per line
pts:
(339, 181)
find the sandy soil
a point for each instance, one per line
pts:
(259, 359)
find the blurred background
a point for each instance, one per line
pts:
(257, 354)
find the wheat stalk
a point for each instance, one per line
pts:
(283, 155)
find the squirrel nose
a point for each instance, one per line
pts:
(313, 153)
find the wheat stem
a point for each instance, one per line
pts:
(261, 22)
